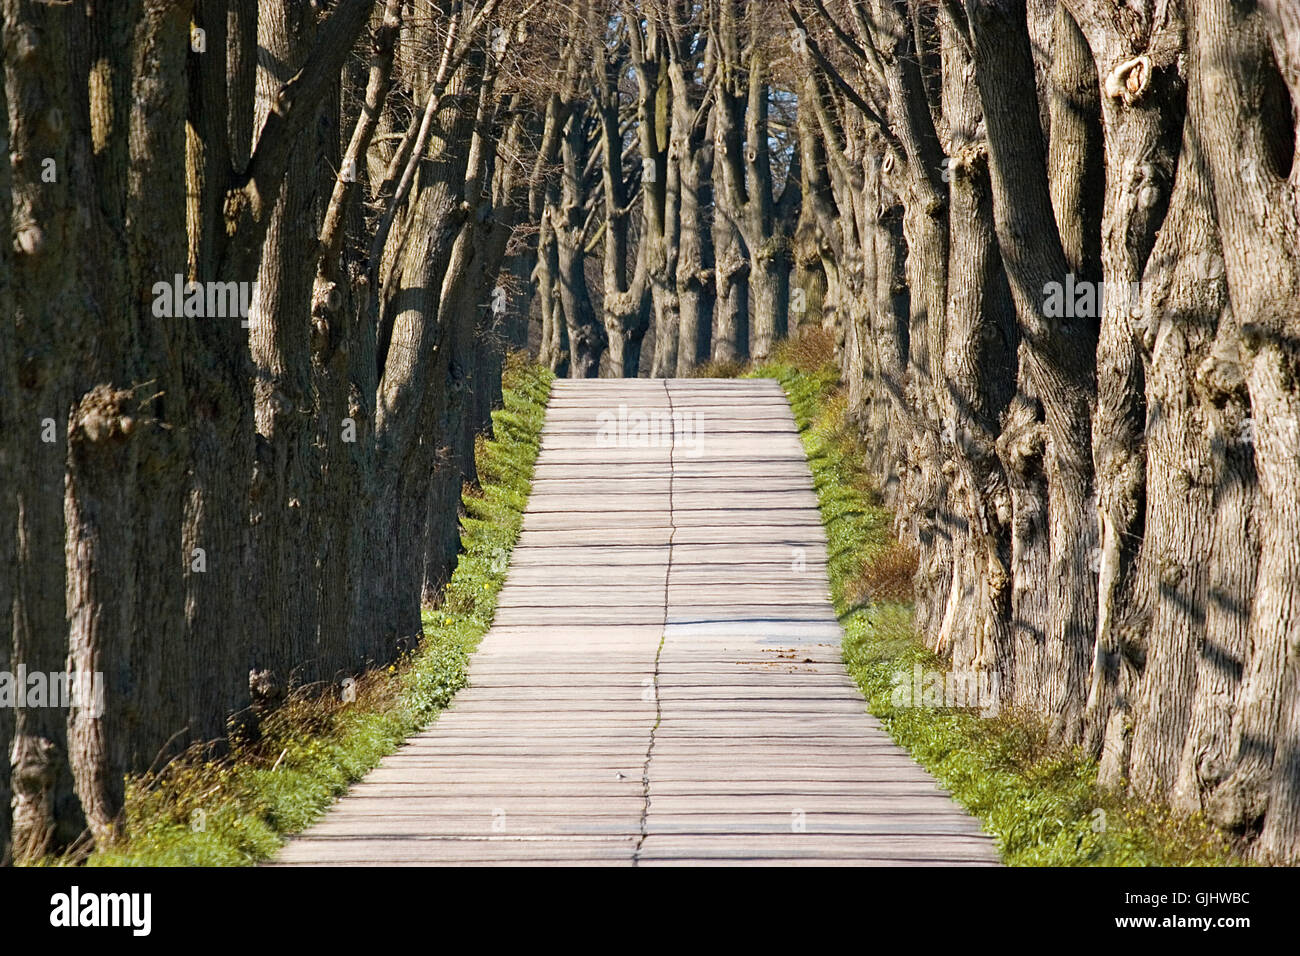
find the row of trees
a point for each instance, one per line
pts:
(250, 323)
(1060, 243)
(673, 218)
(1063, 240)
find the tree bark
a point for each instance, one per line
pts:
(1245, 65)
(126, 443)
(978, 384)
(49, 331)
(11, 456)
(625, 302)
(285, 529)
(410, 427)
(1059, 356)
(745, 191)
(588, 339)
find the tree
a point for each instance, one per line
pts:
(185, 537)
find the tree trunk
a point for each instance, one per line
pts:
(11, 457)
(125, 475)
(696, 288)
(979, 374)
(731, 266)
(1190, 628)
(586, 334)
(410, 425)
(745, 189)
(625, 302)
(1059, 357)
(555, 329)
(285, 549)
(1142, 112)
(661, 190)
(1245, 64)
(48, 333)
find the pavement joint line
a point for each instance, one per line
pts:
(668, 575)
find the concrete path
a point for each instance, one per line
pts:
(662, 683)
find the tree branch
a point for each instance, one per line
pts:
(250, 200)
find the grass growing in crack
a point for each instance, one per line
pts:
(235, 811)
(1041, 805)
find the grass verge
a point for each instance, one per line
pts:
(237, 810)
(1041, 805)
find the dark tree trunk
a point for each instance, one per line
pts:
(126, 457)
(48, 333)
(410, 426)
(285, 548)
(978, 376)
(586, 334)
(11, 455)
(1059, 356)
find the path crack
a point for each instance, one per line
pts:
(668, 572)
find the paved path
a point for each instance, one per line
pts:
(662, 683)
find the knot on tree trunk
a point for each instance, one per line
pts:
(1239, 804)
(1130, 80)
(266, 690)
(101, 416)
(31, 240)
(1021, 443)
(327, 299)
(282, 102)
(1221, 377)
(965, 156)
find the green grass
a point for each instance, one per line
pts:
(1041, 805)
(236, 811)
